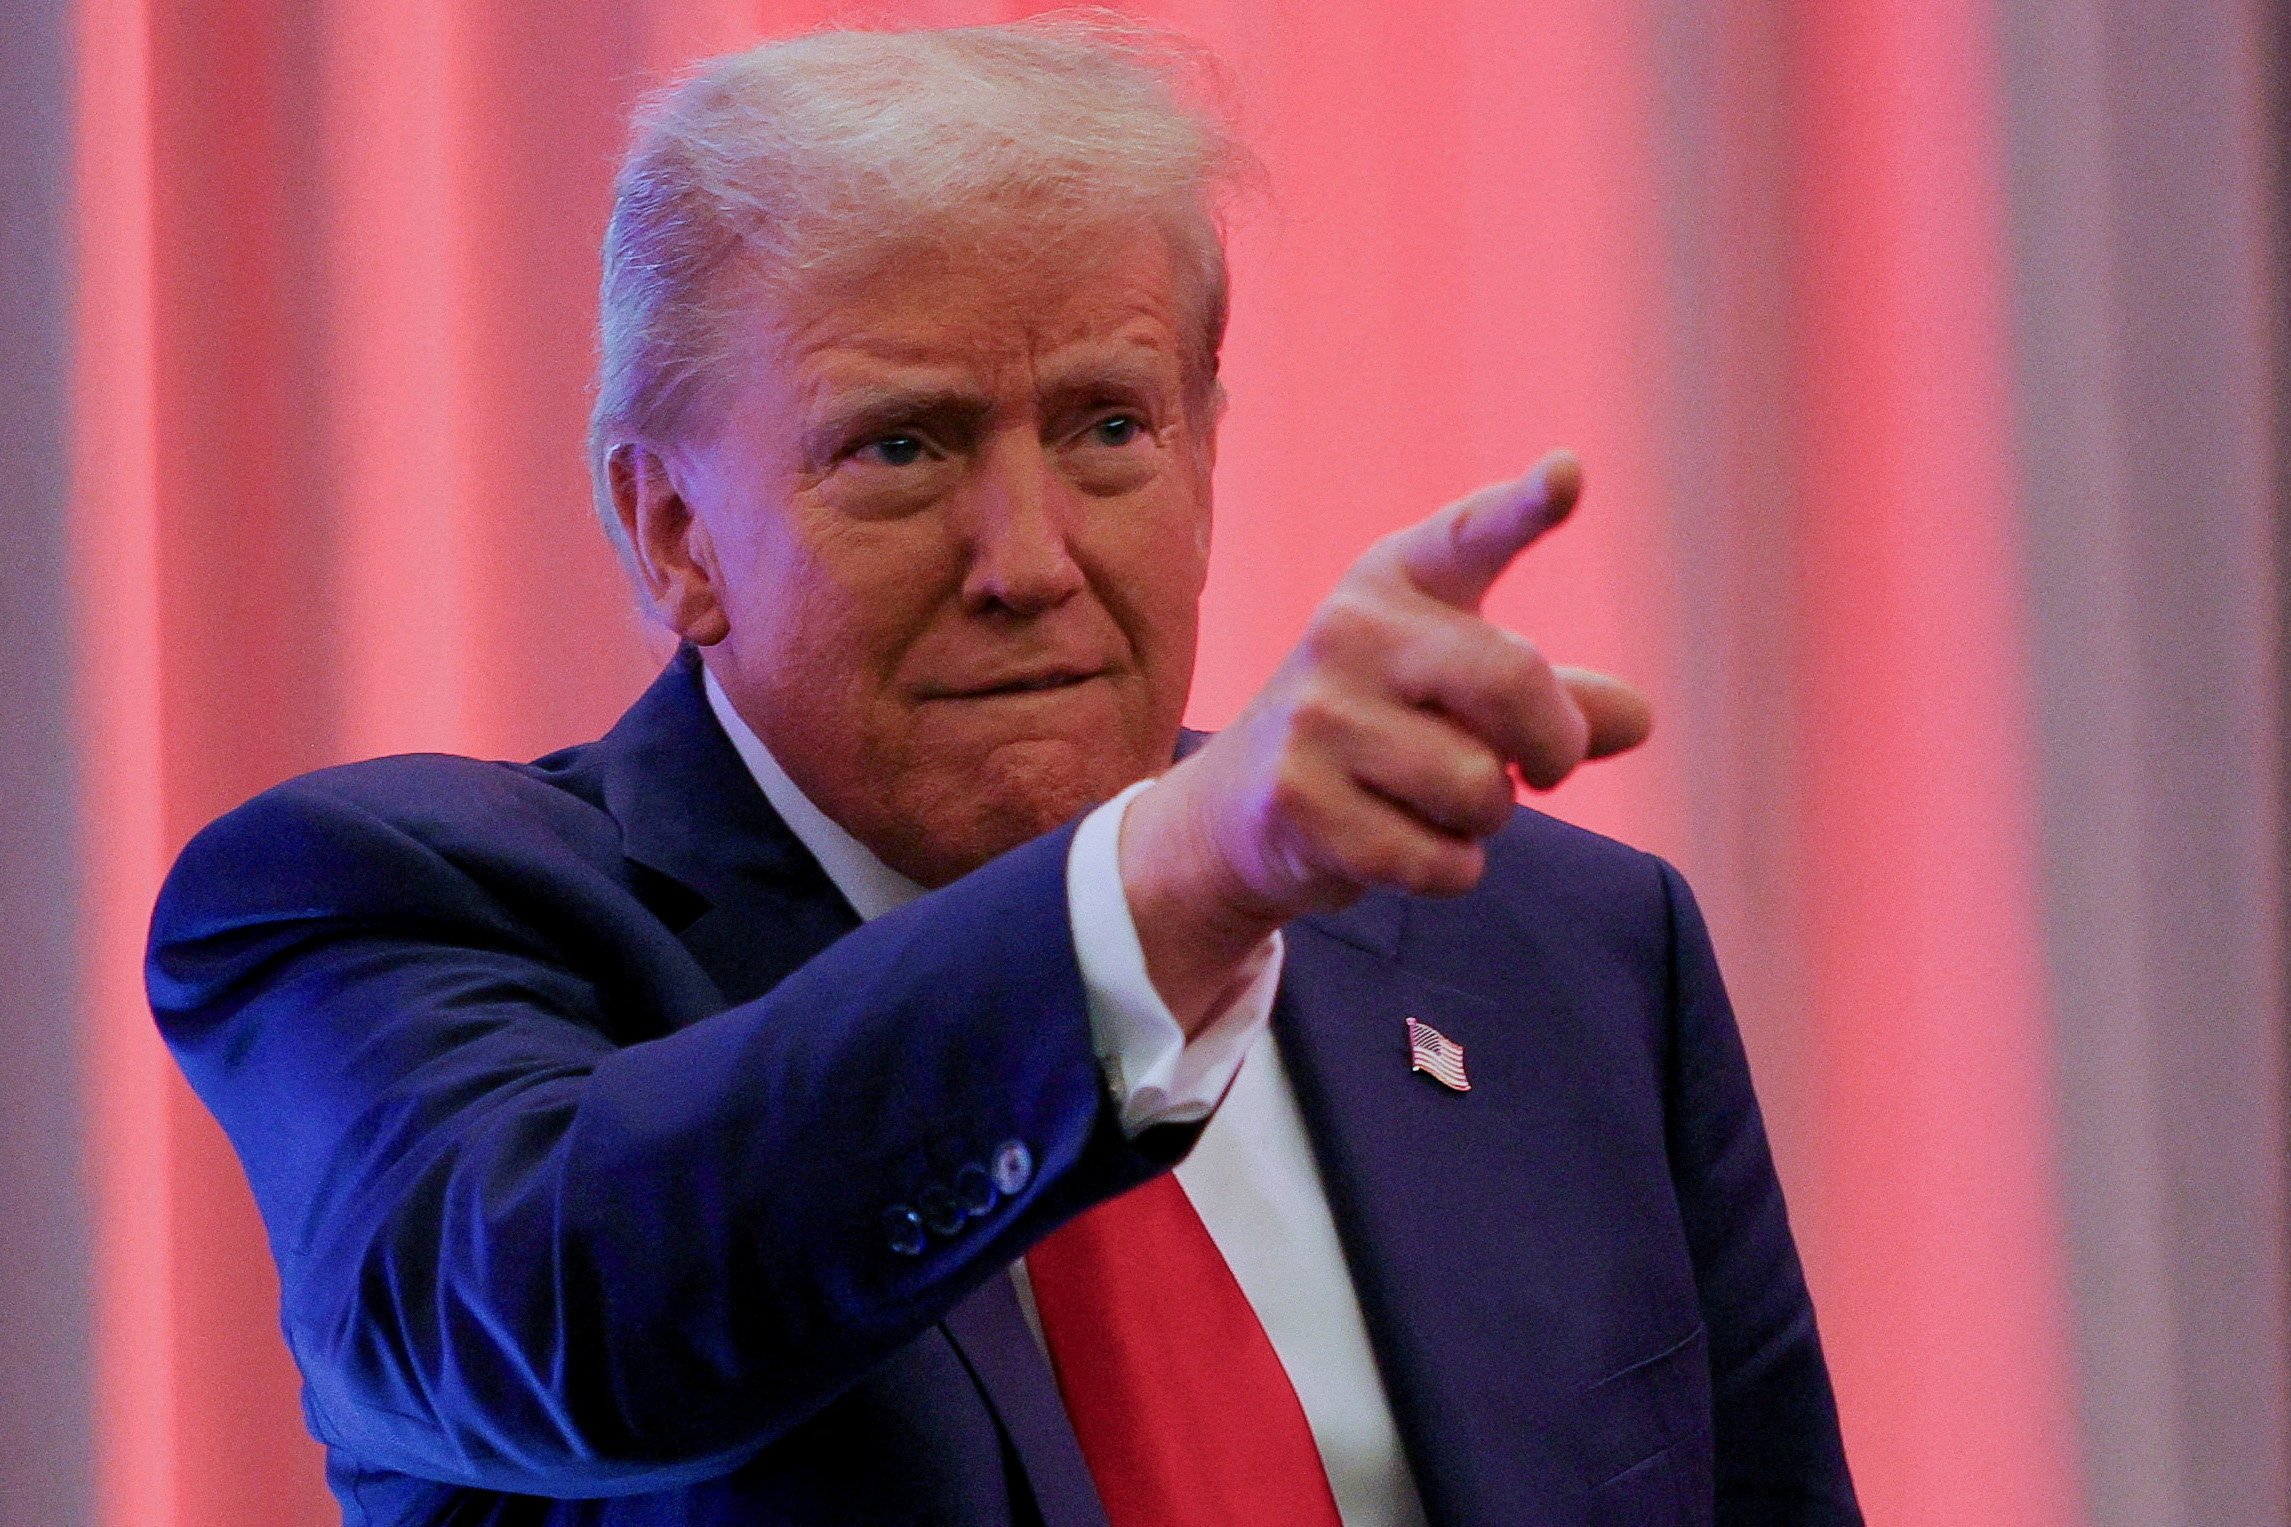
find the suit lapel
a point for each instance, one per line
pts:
(1433, 1193)
(991, 1333)
(755, 905)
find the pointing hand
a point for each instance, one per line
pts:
(1381, 752)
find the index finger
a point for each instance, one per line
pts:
(1459, 552)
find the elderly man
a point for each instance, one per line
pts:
(767, 1113)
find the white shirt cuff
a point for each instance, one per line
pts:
(1156, 1074)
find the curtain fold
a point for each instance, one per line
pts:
(1939, 1242)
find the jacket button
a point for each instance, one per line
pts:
(974, 1190)
(940, 1211)
(903, 1231)
(1013, 1167)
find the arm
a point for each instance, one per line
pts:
(520, 1255)
(1779, 1456)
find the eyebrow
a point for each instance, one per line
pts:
(863, 410)
(1099, 375)
(856, 412)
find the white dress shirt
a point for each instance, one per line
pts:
(1251, 1176)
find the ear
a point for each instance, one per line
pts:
(673, 555)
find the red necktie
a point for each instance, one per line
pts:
(1186, 1416)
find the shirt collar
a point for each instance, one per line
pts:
(871, 886)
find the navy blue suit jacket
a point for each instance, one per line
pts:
(581, 1112)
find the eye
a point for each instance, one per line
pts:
(1116, 430)
(894, 450)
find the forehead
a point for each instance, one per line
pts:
(1111, 298)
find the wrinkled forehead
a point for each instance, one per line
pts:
(1103, 297)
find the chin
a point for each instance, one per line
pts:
(1018, 791)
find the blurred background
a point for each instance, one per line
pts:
(1928, 359)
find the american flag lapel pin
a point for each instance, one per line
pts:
(1437, 1056)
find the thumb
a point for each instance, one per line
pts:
(1457, 553)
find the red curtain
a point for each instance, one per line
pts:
(337, 269)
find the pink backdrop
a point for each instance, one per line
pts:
(336, 282)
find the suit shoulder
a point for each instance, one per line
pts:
(435, 798)
(1539, 854)
(1572, 898)
(365, 836)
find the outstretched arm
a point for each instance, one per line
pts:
(519, 1250)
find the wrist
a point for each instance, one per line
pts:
(1198, 922)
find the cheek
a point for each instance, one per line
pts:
(780, 588)
(1155, 559)
(1171, 551)
(822, 614)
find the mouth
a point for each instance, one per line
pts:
(1049, 681)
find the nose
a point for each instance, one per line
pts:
(1017, 522)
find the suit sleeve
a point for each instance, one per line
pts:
(1780, 1460)
(517, 1254)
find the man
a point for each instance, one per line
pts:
(767, 1112)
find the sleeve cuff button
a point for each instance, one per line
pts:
(940, 1212)
(974, 1190)
(1013, 1167)
(903, 1231)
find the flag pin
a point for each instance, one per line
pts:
(1437, 1056)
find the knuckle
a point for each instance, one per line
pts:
(1486, 795)
(1445, 869)
(1417, 870)
(1418, 863)
(1512, 667)
(1347, 624)
(1318, 716)
(1289, 796)
(1382, 860)
(1479, 775)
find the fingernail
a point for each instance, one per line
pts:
(1561, 477)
